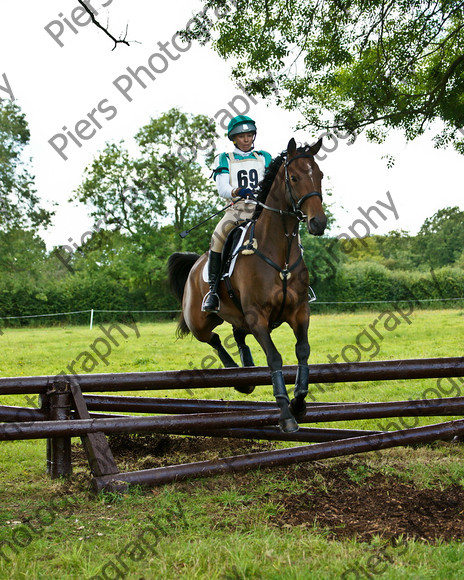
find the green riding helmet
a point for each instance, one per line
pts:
(240, 124)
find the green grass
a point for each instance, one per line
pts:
(227, 529)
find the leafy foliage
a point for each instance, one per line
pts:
(159, 185)
(441, 237)
(19, 205)
(348, 64)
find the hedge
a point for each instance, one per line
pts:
(354, 286)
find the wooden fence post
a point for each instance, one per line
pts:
(58, 402)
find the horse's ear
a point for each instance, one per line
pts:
(315, 148)
(291, 147)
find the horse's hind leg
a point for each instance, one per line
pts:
(243, 348)
(202, 326)
(245, 356)
(223, 355)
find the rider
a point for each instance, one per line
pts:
(237, 176)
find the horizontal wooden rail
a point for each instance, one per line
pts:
(194, 423)
(236, 376)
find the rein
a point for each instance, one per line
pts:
(296, 203)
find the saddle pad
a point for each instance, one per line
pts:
(244, 229)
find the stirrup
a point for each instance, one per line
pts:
(214, 307)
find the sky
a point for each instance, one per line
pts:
(74, 90)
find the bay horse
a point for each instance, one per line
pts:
(270, 280)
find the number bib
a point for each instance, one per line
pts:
(246, 172)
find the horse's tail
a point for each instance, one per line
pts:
(179, 266)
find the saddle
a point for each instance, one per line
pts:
(230, 251)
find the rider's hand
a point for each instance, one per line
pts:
(244, 192)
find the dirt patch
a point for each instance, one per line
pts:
(161, 445)
(378, 506)
(346, 498)
(150, 451)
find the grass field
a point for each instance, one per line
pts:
(230, 527)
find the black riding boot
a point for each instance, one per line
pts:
(211, 300)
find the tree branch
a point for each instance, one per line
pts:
(98, 25)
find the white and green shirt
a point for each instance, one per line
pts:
(240, 169)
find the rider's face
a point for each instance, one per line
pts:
(244, 141)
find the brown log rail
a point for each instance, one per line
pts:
(234, 377)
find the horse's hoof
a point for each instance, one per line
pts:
(298, 408)
(245, 390)
(288, 425)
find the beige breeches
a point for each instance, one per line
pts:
(239, 212)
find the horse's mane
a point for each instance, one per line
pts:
(265, 185)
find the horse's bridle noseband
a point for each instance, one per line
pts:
(297, 203)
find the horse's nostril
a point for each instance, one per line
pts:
(317, 226)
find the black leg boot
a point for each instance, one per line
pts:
(211, 300)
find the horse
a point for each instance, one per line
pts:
(270, 280)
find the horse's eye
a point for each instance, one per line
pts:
(294, 178)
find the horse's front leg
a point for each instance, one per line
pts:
(302, 350)
(260, 331)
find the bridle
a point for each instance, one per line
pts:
(297, 203)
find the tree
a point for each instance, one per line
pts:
(116, 194)
(159, 185)
(178, 178)
(441, 237)
(19, 204)
(348, 64)
(22, 256)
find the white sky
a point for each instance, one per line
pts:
(58, 86)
